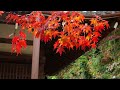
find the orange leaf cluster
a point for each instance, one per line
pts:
(78, 34)
(75, 33)
(19, 42)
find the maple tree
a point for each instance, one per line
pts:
(75, 33)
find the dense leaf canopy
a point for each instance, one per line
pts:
(74, 31)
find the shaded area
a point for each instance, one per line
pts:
(55, 62)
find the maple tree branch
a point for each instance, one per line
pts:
(50, 19)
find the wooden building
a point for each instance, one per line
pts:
(19, 67)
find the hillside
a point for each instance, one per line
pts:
(100, 63)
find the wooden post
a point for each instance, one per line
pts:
(35, 58)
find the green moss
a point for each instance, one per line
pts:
(100, 63)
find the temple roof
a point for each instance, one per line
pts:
(83, 12)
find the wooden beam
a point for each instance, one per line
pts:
(35, 58)
(13, 54)
(12, 58)
(8, 41)
(107, 16)
(16, 57)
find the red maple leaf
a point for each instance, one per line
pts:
(95, 39)
(15, 39)
(80, 42)
(17, 44)
(65, 44)
(60, 50)
(18, 48)
(96, 34)
(46, 38)
(93, 45)
(106, 24)
(99, 27)
(71, 45)
(96, 28)
(87, 29)
(22, 35)
(37, 35)
(55, 33)
(23, 43)
(87, 43)
(77, 45)
(56, 44)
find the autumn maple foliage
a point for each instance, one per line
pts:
(75, 33)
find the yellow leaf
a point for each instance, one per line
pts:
(88, 37)
(29, 30)
(35, 32)
(94, 21)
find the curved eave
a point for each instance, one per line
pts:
(107, 16)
